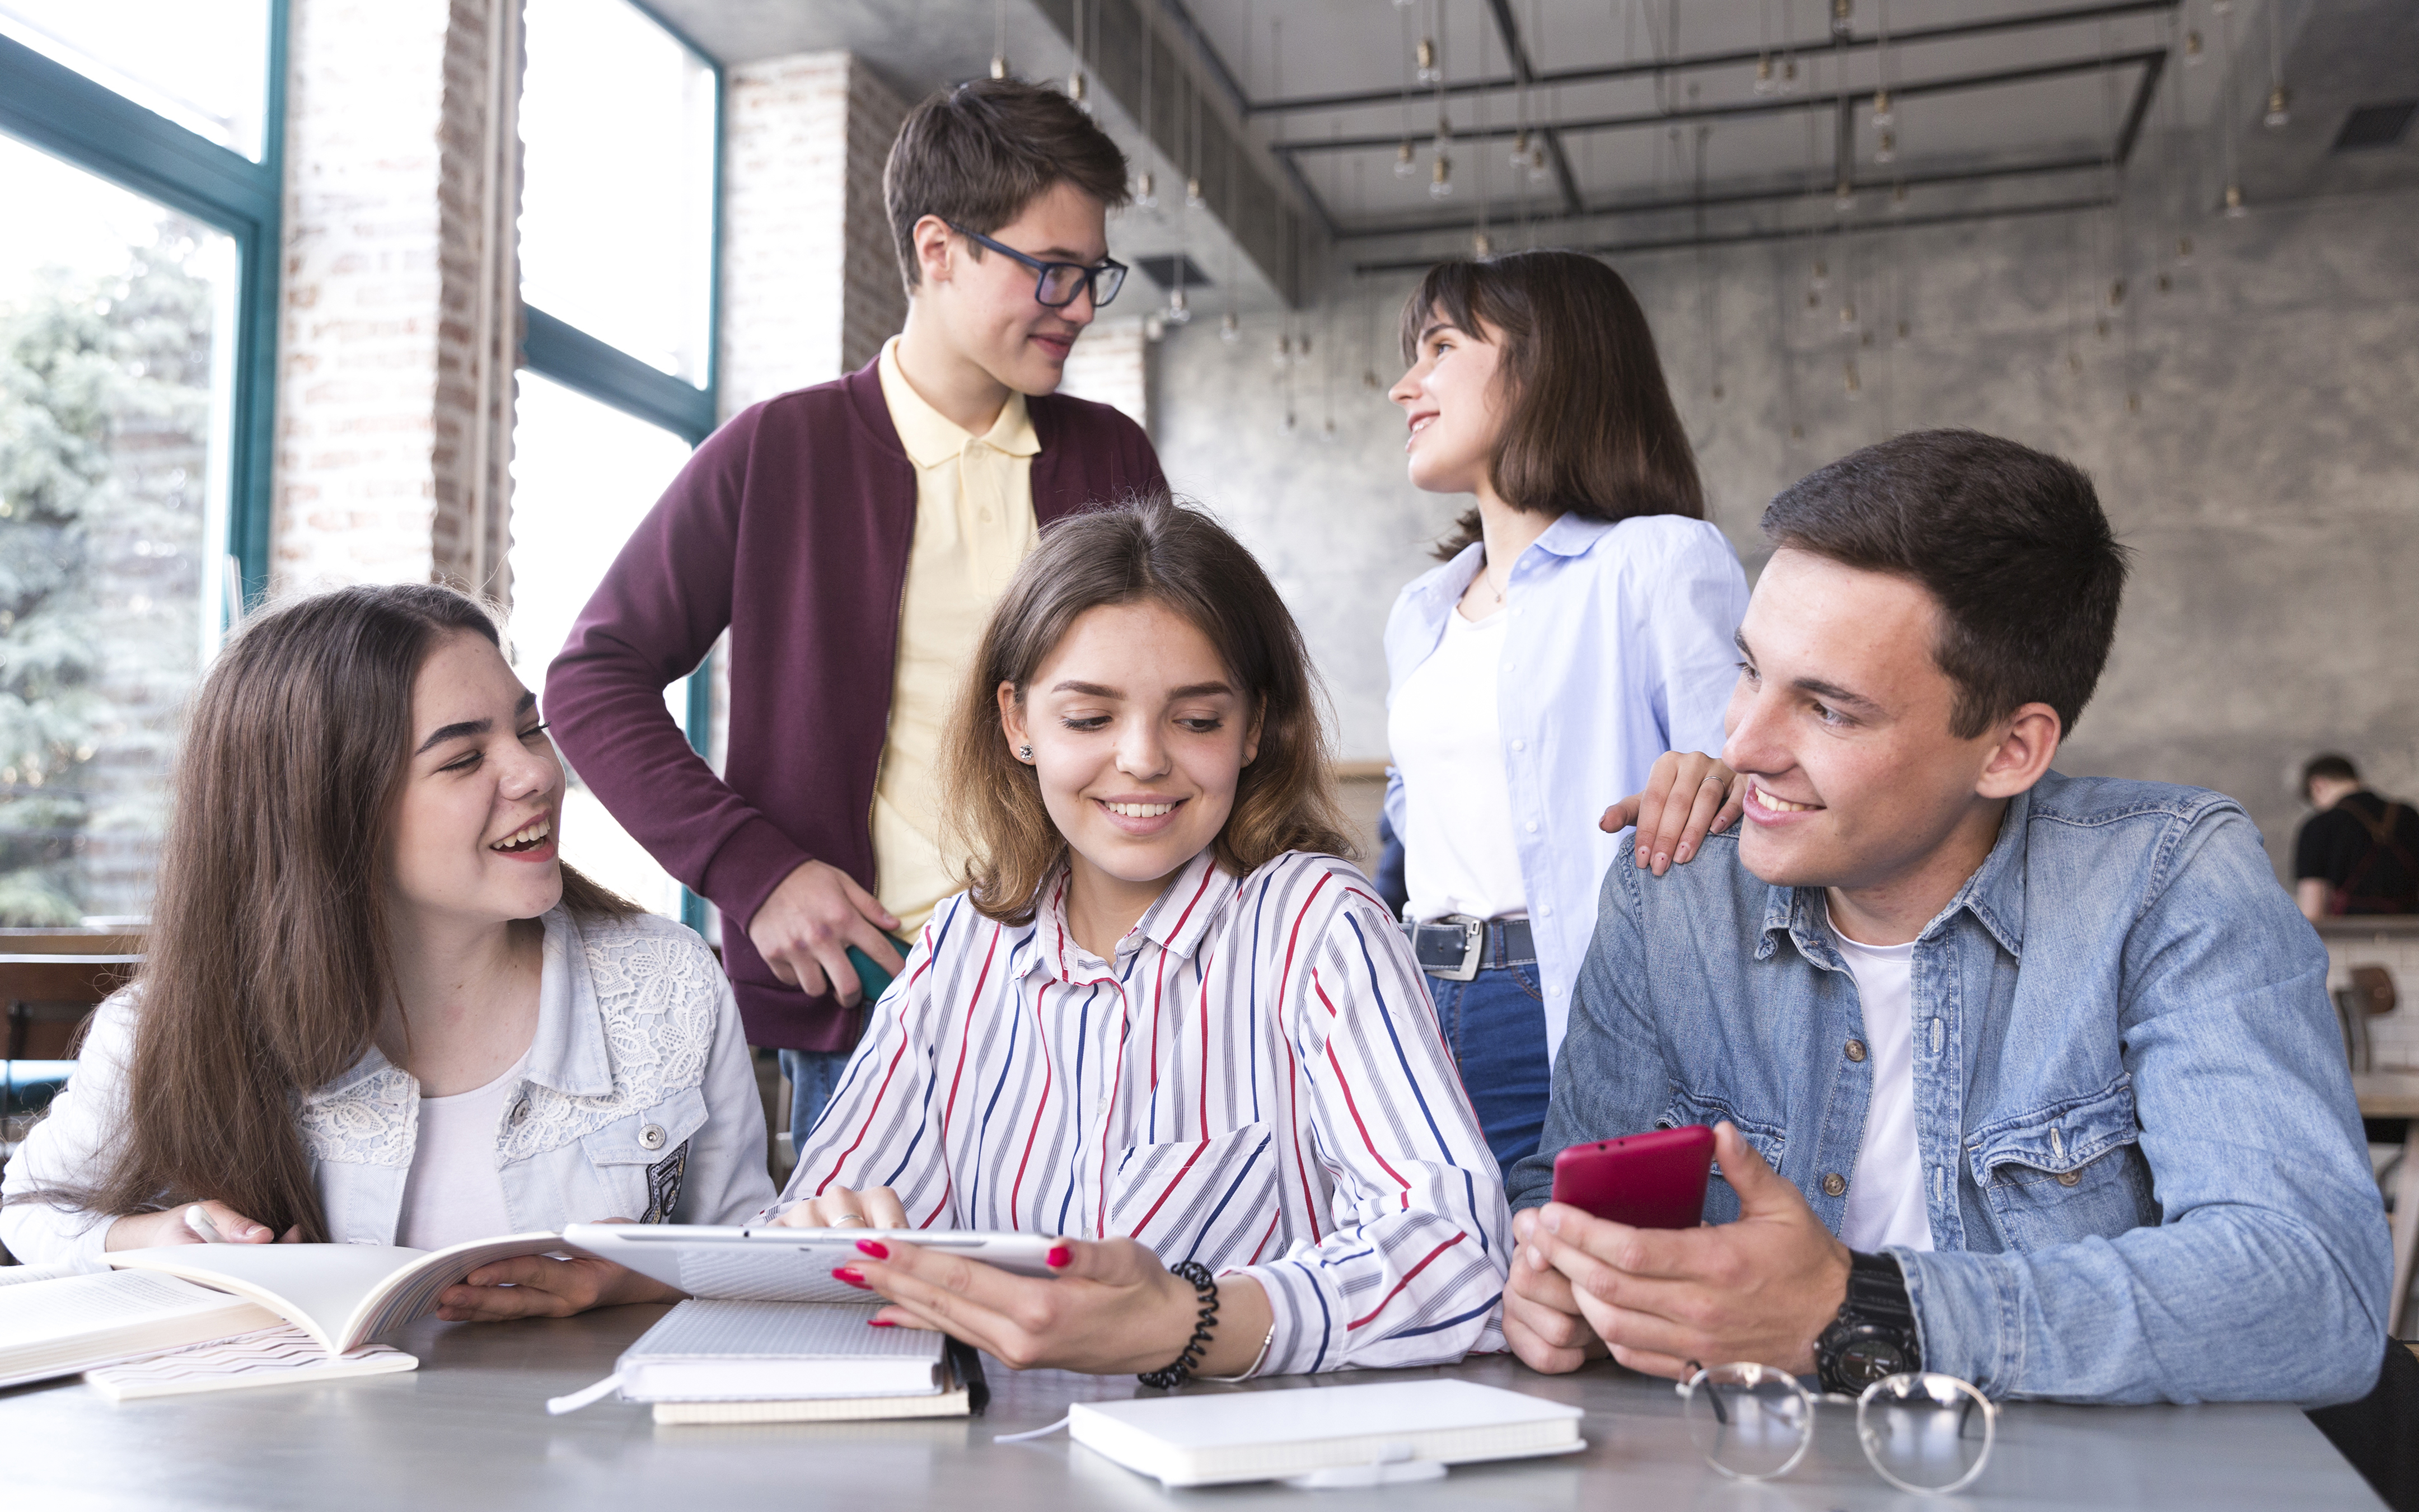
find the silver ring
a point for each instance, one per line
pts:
(845, 1219)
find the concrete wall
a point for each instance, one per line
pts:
(2269, 479)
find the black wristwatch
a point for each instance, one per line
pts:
(1873, 1338)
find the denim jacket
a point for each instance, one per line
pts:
(2144, 1164)
(638, 1101)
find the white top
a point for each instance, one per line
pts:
(1447, 738)
(1886, 1203)
(454, 1193)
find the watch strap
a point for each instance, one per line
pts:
(1877, 1321)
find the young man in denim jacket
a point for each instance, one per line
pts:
(2024, 1078)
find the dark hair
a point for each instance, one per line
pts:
(268, 964)
(2338, 767)
(977, 154)
(1156, 550)
(1589, 429)
(2009, 541)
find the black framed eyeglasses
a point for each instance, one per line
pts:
(1055, 285)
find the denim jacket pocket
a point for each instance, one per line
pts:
(2066, 1171)
(1767, 1139)
(641, 1157)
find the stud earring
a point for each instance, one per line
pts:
(1025, 753)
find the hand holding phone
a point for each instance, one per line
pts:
(1655, 1180)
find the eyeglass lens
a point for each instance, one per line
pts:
(1925, 1432)
(1750, 1422)
(1062, 282)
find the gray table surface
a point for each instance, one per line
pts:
(468, 1429)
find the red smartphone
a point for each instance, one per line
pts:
(1647, 1180)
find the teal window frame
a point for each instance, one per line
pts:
(51, 107)
(560, 352)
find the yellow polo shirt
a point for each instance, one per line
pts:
(974, 523)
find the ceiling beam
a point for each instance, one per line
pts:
(1705, 62)
(1515, 49)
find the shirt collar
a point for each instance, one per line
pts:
(930, 437)
(1568, 536)
(567, 1053)
(1573, 536)
(1175, 921)
(1994, 895)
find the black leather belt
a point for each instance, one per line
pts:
(1457, 949)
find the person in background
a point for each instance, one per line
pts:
(374, 1006)
(2359, 853)
(1166, 1021)
(1579, 629)
(852, 537)
(2021, 1078)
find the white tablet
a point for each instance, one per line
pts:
(772, 1264)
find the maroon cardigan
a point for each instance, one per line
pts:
(790, 526)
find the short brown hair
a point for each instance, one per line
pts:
(1590, 428)
(2012, 544)
(1145, 550)
(977, 154)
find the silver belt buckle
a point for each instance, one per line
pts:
(1473, 949)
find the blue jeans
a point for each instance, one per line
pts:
(1495, 1026)
(814, 1075)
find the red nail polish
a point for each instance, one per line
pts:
(875, 1248)
(1059, 1255)
(880, 1323)
(848, 1273)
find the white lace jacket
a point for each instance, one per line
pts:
(638, 1101)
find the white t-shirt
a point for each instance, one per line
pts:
(454, 1192)
(1446, 734)
(1886, 1204)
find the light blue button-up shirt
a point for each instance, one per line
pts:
(2142, 1160)
(1620, 648)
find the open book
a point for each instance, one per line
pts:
(58, 1324)
(342, 1295)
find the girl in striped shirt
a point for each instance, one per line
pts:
(1164, 1022)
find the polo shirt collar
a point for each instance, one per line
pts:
(930, 437)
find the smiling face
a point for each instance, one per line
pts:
(474, 835)
(1139, 737)
(1840, 720)
(1455, 407)
(985, 303)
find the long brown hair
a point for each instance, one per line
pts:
(268, 964)
(1590, 428)
(1158, 551)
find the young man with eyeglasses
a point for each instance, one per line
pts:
(852, 537)
(2025, 1079)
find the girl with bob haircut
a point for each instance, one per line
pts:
(1580, 628)
(1166, 1022)
(374, 1007)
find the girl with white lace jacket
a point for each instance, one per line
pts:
(374, 1007)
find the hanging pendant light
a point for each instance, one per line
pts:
(2280, 102)
(1843, 198)
(1537, 165)
(1429, 72)
(2234, 210)
(1077, 87)
(2192, 50)
(1230, 330)
(999, 65)
(1482, 246)
(1886, 151)
(1843, 19)
(1144, 191)
(1177, 313)
(1765, 82)
(1520, 149)
(1193, 200)
(1882, 114)
(1441, 179)
(1404, 164)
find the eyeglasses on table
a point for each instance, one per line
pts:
(1921, 1431)
(1055, 285)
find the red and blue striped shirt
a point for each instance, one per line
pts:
(1257, 1081)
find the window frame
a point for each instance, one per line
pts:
(560, 352)
(55, 109)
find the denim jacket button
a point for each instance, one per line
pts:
(1834, 1185)
(2069, 1178)
(651, 1136)
(1856, 1050)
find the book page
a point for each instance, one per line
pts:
(413, 1292)
(341, 1294)
(265, 1357)
(16, 1276)
(91, 1303)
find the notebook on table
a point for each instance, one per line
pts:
(61, 1324)
(1210, 1440)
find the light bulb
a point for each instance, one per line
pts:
(1843, 198)
(1886, 151)
(1429, 72)
(1882, 114)
(2279, 107)
(2193, 53)
(1179, 313)
(1154, 326)
(1848, 312)
(999, 65)
(2234, 210)
(1765, 82)
(1077, 88)
(1822, 275)
(1193, 200)
(1788, 75)
(1482, 244)
(1520, 149)
(1404, 167)
(1441, 181)
(1855, 383)
(1144, 197)
(1230, 330)
(2184, 249)
(1537, 165)
(1898, 199)
(1841, 11)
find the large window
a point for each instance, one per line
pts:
(137, 294)
(620, 119)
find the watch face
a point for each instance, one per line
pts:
(1866, 1359)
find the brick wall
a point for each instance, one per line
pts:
(2394, 1039)
(809, 286)
(379, 461)
(1111, 364)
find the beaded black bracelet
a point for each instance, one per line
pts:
(1206, 1285)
